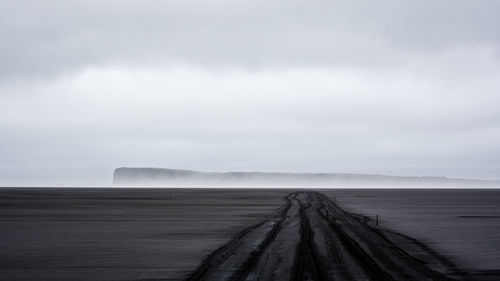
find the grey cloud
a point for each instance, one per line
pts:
(397, 87)
(48, 37)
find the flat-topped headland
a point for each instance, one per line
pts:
(188, 178)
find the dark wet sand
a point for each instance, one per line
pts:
(311, 238)
(163, 234)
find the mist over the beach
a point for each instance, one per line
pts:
(399, 88)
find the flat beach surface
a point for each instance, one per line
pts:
(153, 234)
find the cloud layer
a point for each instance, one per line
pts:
(354, 86)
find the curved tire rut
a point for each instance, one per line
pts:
(311, 238)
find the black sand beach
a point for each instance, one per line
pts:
(311, 238)
(164, 234)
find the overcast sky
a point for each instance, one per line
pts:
(392, 87)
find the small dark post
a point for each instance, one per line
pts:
(376, 220)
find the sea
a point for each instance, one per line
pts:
(164, 233)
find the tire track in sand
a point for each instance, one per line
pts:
(310, 238)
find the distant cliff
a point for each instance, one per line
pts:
(187, 178)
